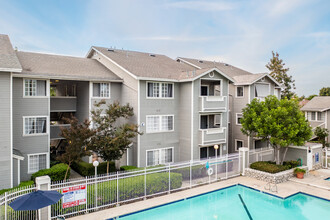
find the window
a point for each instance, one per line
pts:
(204, 90)
(159, 90)
(240, 91)
(238, 144)
(37, 162)
(261, 90)
(159, 123)
(34, 87)
(313, 116)
(238, 119)
(207, 152)
(35, 125)
(159, 156)
(101, 90)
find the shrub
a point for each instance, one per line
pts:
(56, 172)
(299, 170)
(22, 184)
(198, 171)
(87, 169)
(125, 168)
(291, 164)
(268, 167)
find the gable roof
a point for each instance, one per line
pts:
(8, 59)
(318, 103)
(153, 66)
(66, 67)
(223, 67)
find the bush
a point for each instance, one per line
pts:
(55, 173)
(198, 171)
(125, 168)
(291, 164)
(268, 167)
(298, 170)
(87, 169)
(22, 184)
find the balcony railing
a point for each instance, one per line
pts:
(212, 136)
(55, 131)
(63, 104)
(212, 103)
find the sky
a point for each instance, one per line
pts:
(242, 33)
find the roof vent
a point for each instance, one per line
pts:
(226, 64)
(200, 61)
(111, 50)
(152, 55)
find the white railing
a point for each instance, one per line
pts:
(213, 103)
(212, 135)
(261, 154)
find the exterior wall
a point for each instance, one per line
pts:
(5, 131)
(24, 106)
(82, 112)
(128, 94)
(185, 121)
(149, 106)
(295, 154)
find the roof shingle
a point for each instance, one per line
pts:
(8, 58)
(318, 103)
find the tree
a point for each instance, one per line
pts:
(112, 138)
(321, 134)
(76, 138)
(278, 122)
(325, 91)
(279, 73)
(310, 97)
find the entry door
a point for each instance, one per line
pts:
(204, 122)
(204, 90)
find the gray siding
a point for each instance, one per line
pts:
(150, 141)
(5, 131)
(28, 107)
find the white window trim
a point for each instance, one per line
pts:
(236, 149)
(160, 90)
(37, 96)
(160, 150)
(160, 124)
(236, 96)
(317, 119)
(96, 97)
(39, 134)
(237, 115)
(47, 160)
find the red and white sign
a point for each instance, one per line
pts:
(74, 196)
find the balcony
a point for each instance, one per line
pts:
(212, 103)
(212, 136)
(55, 131)
(63, 104)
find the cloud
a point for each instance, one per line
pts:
(202, 5)
(173, 38)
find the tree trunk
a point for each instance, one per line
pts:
(107, 167)
(67, 170)
(285, 151)
(278, 155)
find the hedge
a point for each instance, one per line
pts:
(87, 169)
(268, 167)
(198, 171)
(22, 184)
(56, 172)
(291, 164)
(125, 168)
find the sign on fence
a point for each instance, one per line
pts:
(74, 196)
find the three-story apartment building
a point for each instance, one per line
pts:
(183, 107)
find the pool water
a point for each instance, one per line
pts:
(327, 179)
(227, 204)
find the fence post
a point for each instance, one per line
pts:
(244, 151)
(169, 178)
(43, 183)
(6, 201)
(145, 183)
(86, 194)
(190, 173)
(227, 166)
(117, 189)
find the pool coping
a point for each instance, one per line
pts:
(212, 191)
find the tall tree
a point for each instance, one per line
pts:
(112, 137)
(279, 73)
(76, 138)
(325, 91)
(278, 122)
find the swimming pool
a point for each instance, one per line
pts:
(327, 179)
(238, 202)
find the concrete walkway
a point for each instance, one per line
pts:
(284, 190)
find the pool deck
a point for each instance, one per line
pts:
(313, 184)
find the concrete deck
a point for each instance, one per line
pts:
(284, 190)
